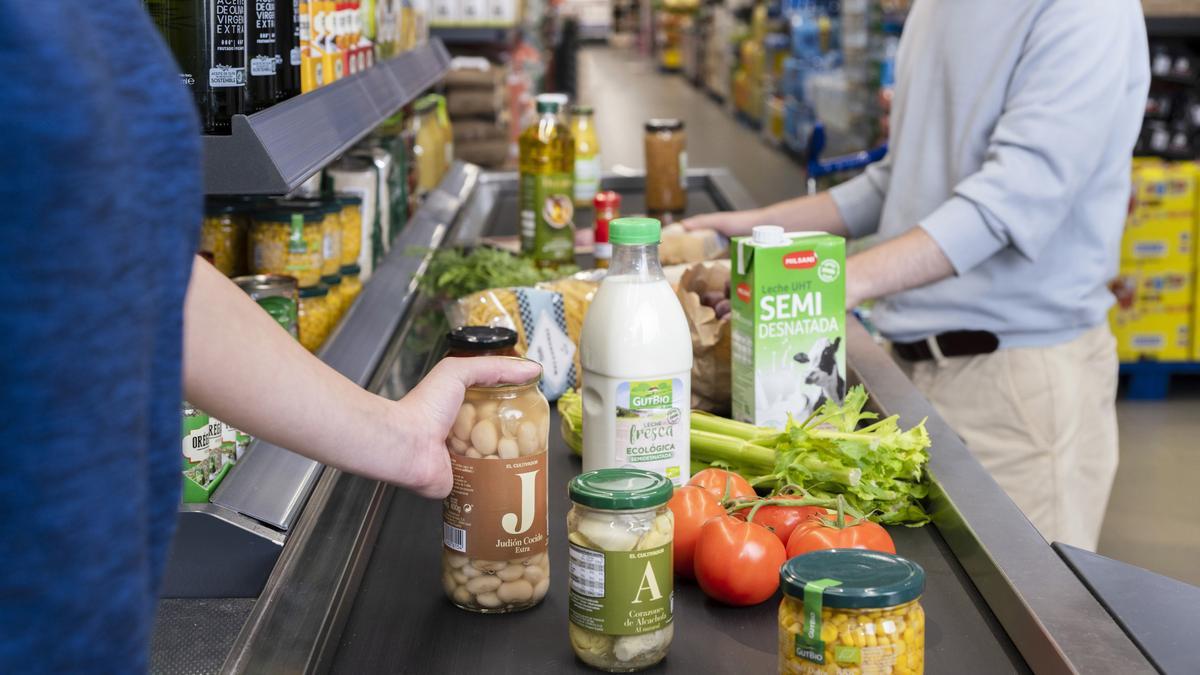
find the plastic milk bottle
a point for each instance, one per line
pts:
(637, 362)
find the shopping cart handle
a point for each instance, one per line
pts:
(852, 162)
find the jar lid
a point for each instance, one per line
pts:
(606, 198)
(350, 270)
(664, 124)
(634, 231)
(581, 110)
(481, 338)
(547, 107)
(331, 280)
(620, 489)
(867, 579)
(347, 199)
(282, 213)
(222, 208)
(314, 291)
(266, 282)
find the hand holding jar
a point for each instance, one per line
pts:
(495, 521)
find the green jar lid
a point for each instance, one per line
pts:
(620, 489)
(331, 279)
(546, 107)
(350, 270)
(314, 291)
(346, 199)
(868, 579)
(634, 231)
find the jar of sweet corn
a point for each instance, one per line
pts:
(315, 320)
(851, 612)
(351, 220)
(336, 300)
(621, 583)
(331, 237)
(287, 241)
(223, 236)
(351, 284)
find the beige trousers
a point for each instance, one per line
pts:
(1043, 421)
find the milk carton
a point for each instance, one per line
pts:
(789, 332)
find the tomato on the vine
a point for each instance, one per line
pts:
(692, 506)
(819, 534)
(736, 562)
(723, 484)
(781, 520)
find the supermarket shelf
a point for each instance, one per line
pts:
(227, 548)
(1173, 26)
(274, 151)
(474, 35)
(1151, 380)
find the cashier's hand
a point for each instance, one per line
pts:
(428, 411)
(728, 223)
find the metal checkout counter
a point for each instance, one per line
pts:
(295, 568)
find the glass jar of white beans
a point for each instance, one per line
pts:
(494, 523)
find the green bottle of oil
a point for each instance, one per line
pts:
(547, 188)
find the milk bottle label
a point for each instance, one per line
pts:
(652, 427)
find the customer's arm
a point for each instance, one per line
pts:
(243, 368)
(849, 210)
(816, 212)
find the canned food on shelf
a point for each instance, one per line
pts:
(223, 236)
(278, 295)
(288, 240)
(316, 322)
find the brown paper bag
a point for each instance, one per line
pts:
(711, 376)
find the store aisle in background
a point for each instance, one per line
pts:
(1153, 518)
(627, 89)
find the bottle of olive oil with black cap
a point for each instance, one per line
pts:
(208, 39)
(262, 50)
(287, 31)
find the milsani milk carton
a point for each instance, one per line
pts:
(789, 331)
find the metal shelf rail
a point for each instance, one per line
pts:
(274, 151)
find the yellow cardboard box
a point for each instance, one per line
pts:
(1164, 190)
(1154, 286)
(1159, 239)
(1161, 334)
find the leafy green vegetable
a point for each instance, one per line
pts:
(878, 467)
(455, 273)
(838, 450)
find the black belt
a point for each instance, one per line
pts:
(951, 344)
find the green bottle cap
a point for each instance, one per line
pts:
(620, 489)
(866, 579)
(545, 107)
(634, 231)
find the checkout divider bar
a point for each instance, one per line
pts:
(1051, 617)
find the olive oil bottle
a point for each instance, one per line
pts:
(547, 166)
(262, 48)
(208, 39)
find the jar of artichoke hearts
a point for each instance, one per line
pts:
(620, 533)
(495, 522)
(851, 611)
